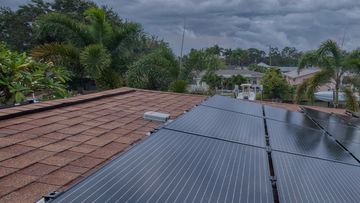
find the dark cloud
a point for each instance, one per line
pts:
(244, 23)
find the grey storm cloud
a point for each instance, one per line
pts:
(243, 23)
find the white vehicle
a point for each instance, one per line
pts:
(246, 93)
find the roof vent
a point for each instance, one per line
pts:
(156, 116)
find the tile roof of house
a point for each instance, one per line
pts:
(304, 72)
(52, 145)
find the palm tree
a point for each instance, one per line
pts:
(333, 64)
(97, 49)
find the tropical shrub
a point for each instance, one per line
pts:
(21, 77)
(178, 86)
(154, 71)
(274, 84)
(350, 100)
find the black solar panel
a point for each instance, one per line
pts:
(306, 141)
(236, 105)
(354, 148)
(176, 167)
(344, 132)
(303, 179)
(217, 152)
(223, 125)
(324, 117)
(289, 117)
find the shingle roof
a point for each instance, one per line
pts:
(52, 145)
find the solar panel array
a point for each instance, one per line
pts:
(227, 150)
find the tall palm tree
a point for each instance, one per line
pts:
(96, 48)
(332, 62)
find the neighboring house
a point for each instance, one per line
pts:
(282, 69)
(295, 78)
(287, 69)
(198, 85)
(253, 77)
(262, 64)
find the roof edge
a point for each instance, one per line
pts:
(17, 111)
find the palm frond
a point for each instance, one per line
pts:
(307, 59)
(300, 91)
(309, 86)
(100, 28)
(123, 33)
(329, 53)
(353, 61)
(95, 58)
(56, 51)
(56, 23)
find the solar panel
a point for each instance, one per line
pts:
(171, 166)
(222, 125)
(324, 117)
(354, 148)
(289, 117)
(342, 132)
(235, 105)
(306, 141)
(304, 179)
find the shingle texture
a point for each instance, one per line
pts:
(57, 147)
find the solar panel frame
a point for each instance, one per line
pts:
(220, 124)
(304, 179)
(195, 169)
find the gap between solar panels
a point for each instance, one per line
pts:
(270, 160)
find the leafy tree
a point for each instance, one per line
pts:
(212, 80)
(256, 68)
(333, 63)
(16, 26)
(154, 71)
(96, 48)
(235, 80)
(178, 86)
(21, 77)
(275, 86)
(289, 56)
(255, 55)
(198, 61)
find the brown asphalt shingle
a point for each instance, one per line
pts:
(54, 149)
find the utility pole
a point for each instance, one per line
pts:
(343, 39)
(182, 46)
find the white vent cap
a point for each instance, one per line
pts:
(156, 116)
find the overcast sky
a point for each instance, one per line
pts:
(242, 23)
